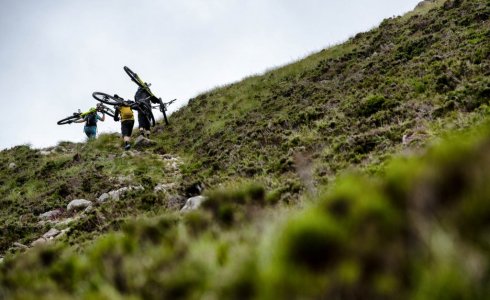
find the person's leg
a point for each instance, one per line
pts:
(127, 130)
(144, 125)
(125, 134)
(127, 144)
(90, 131)
(87, 132)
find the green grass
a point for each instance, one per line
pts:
(311, 191)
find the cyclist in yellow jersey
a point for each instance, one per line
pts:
(126, 115)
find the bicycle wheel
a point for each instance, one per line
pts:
(163, 110)
(165, 117)
(105, 98)
(134, 77)
(69, 120)
(108, 112)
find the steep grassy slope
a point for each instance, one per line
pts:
(350, 104)
(281, 219)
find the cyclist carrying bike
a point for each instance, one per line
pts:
(143, 122)
(91, 120)
(125, 114)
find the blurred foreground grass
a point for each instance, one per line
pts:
(420, 230)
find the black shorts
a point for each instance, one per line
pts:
(127, 127)
(143, 121)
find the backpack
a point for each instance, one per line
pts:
(126, 113)
(92, 120)
(142, 95)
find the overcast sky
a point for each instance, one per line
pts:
(54, 54)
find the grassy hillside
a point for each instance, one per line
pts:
(347, 105)
(325, 178)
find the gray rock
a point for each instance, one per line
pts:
(20, 246)
(123, 179)
(45, 152)
(39, 241)
(1, 260)
(164, 187)
(117, 194)
(141, 142)
(62, 233)
(193, 203)
(137, 188)
(53, 214)
(88, 209)
(78, 204)
(103, 198)
(175, 202)
(12, 166)
(53, 232)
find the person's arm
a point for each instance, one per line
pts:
(79, 121)
(102, 119)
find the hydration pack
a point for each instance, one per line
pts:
(126, 113)
(92, 119)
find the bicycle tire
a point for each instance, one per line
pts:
(134, 77)
(109, 113)
(163, 109)
(69, 119)
(106, 99)
(165, 118)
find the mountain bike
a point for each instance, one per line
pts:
(80, 115)
(163, 107)
(154, 99)
(115, 100)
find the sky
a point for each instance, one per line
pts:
(54, 54)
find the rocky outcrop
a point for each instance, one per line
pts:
(50, 215)
(78, 204)
(117, 194)
(52, 150)
(193, 203)
(142, 142)
(176, 202)
(164, 187)
(39, 241)
(19, 246)
(52, 234)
